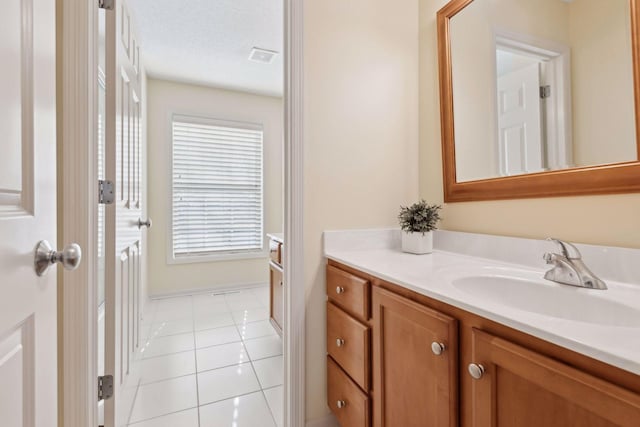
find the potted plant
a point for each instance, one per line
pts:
(417, 223)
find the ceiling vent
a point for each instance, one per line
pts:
(262, 55)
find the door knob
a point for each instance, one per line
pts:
(146, 223)
(45, 257)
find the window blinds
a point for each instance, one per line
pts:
(217, 187)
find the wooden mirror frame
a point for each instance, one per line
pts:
(602, 179)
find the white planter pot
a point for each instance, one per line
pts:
(417, 243)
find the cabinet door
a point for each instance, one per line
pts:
(413, 386)
(522, 388)
(276, 284)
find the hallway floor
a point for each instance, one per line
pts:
(210, 361)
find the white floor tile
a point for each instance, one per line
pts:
(244, 411)
(276, 404)
(165, 397)
(227, 382)
(205, 309)
(262, 293)
(159, 346)
(258, 329)
(221, 356)
(261, 348)
(208, 298)
(251, 315)
(169, 366)
(188, 418)
(212, 321)
(245, 304)
(217, 336)
(171, 327)
(269, 371)
(173, 314)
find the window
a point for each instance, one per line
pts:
(217, 188)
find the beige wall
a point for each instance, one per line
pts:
(602, 82)
(606, 220)
(165, 98)
(361, 133)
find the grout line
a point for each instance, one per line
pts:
(264, 396)
(195, 357)
(195, 349)
(160, 416)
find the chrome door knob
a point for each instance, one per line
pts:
(339, 342)
(437, 348)
(45, 257)
(476, 371)
(339, 290)
(146, 223)
(341, 404)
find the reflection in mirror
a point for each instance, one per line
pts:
(541, 85)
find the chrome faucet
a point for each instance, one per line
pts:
(569, 269)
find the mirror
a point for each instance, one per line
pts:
(533, 88)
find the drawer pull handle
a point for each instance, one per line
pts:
(340, 290)
(341, 404)
(339, 342)
(437, 348)
(476, 371)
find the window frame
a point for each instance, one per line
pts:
(211, 256)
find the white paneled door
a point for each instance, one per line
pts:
(520, 121)
(28, 335)
(122, 232)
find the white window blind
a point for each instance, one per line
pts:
(217, 187)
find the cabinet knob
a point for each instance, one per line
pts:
(341, 404)
(476, 371)
(339, 342)
(339, 290)
(437, 348)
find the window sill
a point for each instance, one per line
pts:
(197, 259)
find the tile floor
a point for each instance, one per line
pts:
(210, 361)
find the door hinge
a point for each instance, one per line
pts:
(105, 192)
(105, 387)
(545, 92)
(105, 4)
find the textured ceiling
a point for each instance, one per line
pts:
(208, 42)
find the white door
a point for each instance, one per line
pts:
(28, 334)
(123, 235)
(519, 122)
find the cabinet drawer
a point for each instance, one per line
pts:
(347, 402)
(275, 251)
(348, 291)
(348, 342)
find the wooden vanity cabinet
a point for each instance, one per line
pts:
(415, 369)
(524, 381)
(520, 387)
(276, 285)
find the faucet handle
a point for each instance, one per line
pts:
(564, 249)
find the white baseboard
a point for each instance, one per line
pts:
(208, 290)
(326, 421)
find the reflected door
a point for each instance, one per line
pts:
(28, 326)
(122, 234)
(519, 122)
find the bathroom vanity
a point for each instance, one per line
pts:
(454, 339)
(276, 282)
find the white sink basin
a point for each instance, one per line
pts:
(536, 295)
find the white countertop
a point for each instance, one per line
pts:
(431, 275)
(278, 237)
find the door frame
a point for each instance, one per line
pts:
(76, 66)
